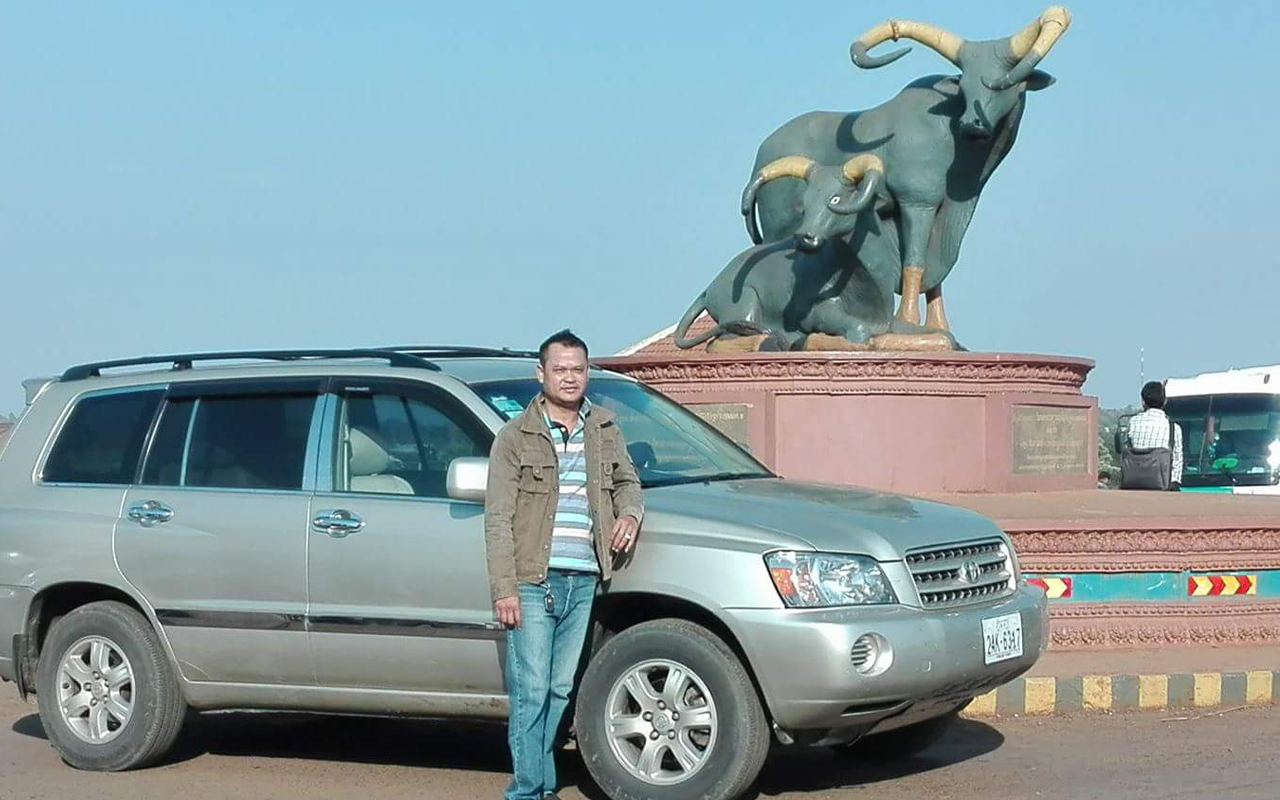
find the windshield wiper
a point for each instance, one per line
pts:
(716, 476)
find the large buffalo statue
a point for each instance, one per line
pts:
(939, 139)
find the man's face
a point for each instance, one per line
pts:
(564, 376)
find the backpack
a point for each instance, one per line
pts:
(1147, 467)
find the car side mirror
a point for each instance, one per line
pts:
(467, 479)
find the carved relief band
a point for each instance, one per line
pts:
(1145, 625)
(1147, 550)
(950, 373)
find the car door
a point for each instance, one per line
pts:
(396, 570)
(214, 534)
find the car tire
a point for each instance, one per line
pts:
(906, 741)
(723, 738)
(127, 676)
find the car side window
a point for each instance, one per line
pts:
(102, 439)
(165, 460)
(392, 443)
(242, 442)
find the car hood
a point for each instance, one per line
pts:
(829, 518)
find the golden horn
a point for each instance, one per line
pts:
(946, 43)
(859, 165)
(1042, 34)
(787, 167)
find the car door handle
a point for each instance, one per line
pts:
(337, 522)
(151, 512)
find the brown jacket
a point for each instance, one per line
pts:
(524, 487)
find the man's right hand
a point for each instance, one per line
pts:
(508, 611)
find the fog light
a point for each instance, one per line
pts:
(871, 654)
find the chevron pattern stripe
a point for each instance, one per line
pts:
(1221, 585)
(1055, 588)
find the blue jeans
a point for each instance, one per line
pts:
(542, 658)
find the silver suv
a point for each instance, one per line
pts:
(303, 530)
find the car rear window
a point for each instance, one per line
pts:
(102, 439)
(255, 442)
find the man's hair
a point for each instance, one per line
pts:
(1153, 394)
(565, 337)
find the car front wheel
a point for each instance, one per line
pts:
(666, 711)
(109, 700)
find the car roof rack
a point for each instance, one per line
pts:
(184, 361)
(455, 351)
(451, 351)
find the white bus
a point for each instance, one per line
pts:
(1230, 429)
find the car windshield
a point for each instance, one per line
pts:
(1228, 438)
(668, 444)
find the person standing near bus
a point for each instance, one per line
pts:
(1152, 430)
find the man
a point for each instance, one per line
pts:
(563, 502)
(1151, 429)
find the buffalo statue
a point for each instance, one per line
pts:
(819, 294)
(940, 140)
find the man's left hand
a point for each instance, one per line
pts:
(625, 531)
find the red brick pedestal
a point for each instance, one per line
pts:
(905, 422)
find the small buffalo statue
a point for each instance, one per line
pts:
(831, 287)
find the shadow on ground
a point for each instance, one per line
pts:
(820, 769)
(30, 726)
(451, 745)
(429, 744)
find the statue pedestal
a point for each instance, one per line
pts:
(903, 422)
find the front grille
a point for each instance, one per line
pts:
(943, 577)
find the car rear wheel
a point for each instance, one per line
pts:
(666, 711)
(108, 698)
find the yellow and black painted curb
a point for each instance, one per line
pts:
(1108, 693)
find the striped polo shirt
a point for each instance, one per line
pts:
(571, 544)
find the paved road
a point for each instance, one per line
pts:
(1228, 756)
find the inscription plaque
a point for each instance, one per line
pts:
(728, 418)
(1050, 441)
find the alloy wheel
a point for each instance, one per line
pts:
(662, 721)
(95, 689)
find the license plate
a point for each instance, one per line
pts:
(1001, 638)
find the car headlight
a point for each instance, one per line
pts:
(817, 580)
(1015, 568)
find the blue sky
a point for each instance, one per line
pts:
(183, 176)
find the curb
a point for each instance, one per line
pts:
(1108, 693)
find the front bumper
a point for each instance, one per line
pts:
(802, 660)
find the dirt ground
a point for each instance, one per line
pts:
(1227, 755)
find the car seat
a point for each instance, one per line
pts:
(369, 466)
